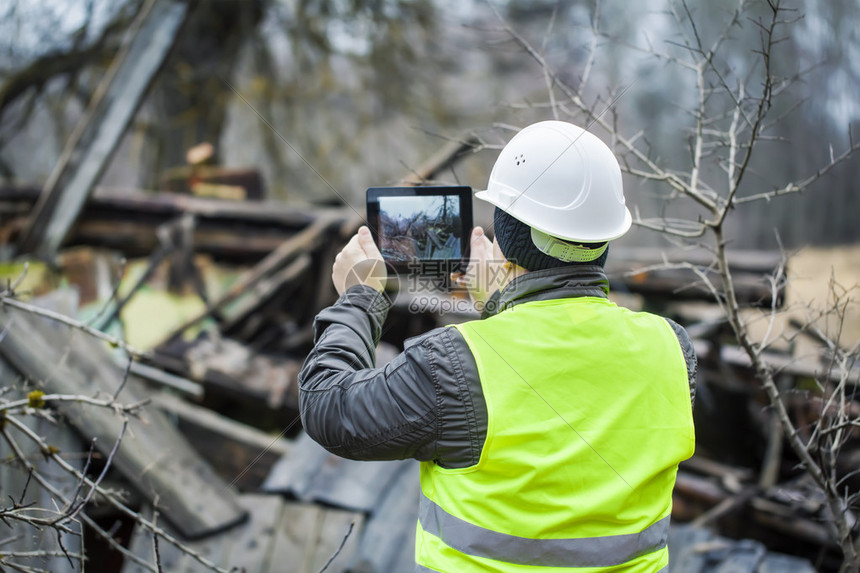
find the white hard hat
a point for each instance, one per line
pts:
(560, 180)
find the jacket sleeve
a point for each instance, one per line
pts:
(689, 356)
(424, 404)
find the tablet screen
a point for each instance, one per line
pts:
(414, 224)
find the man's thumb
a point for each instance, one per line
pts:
(477, 240)
(365, 239)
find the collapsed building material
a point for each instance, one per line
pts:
(214, 181)
(152, 455)
(782, 363)
(19, 488)
(674, 275)
(264, 329)
(240, 454)
(447, 156)
(787, 516)
(285, 254)
(280, 536)
(699, 550)
(99, 132)
(128, 221)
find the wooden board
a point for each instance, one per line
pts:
(153, 455)
(308, 536)
(92, 144)
(280, 536)
(636, 270)
(252, 544)
(240, 454)
(388, 540)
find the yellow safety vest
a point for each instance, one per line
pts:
(588, 416)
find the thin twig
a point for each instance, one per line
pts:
(339, 549)
(112, 340)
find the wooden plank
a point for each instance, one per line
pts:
(142, 545)
(171, 557)
(128, 220)
(153, 455)
(785, 520)
(704, 489)
(253, 543)
(337, 541)
(303, 242)
(217, 549)
(753, 261)
(99, 132)
(239, 453)
(157, 208)
(636, 270)
(779, 363)
(388, 540)
(177, 383)
(262, 292)
(307, 536)
(293, 537)
(198, 179)
(726, 473)
(280, 536)
(228, 242)
(447, 156)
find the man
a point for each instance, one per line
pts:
(549, 431)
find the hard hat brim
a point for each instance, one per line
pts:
(484, 195)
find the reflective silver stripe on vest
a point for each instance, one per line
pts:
(422, 569)
(573, 552)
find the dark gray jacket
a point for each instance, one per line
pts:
(427, 403)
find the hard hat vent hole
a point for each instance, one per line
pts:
(521, 158)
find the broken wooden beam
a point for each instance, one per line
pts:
(152, 455)
(214, 181)
(239, 453)
(303, 242)
(663, 274)
(128, 221)
(287, 279)
(100, 130)
(778, 363)
(447, 156)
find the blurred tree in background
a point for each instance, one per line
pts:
(365, 89)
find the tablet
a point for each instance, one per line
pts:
(423, 229)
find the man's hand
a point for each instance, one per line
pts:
(485, 273)
(360, 262)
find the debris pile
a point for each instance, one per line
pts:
(156, 416)
(212, 440)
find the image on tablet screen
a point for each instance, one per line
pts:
(427, 227)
